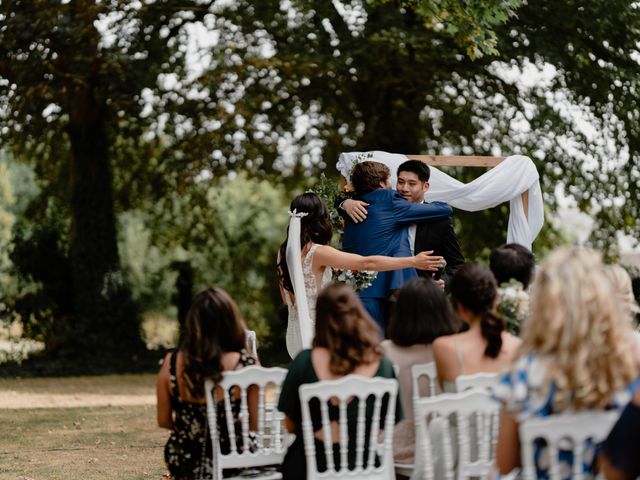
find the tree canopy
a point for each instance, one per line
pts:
(562, 88)
(72, 77)
(129, 113)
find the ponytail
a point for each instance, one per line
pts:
(475, 287)
(491, 326)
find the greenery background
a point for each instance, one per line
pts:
(150, 149)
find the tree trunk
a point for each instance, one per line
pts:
(105, 318)
(392, 120)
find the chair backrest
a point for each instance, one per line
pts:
(252, 342)
(265, 446)
(572, 430)
(477, 380)
(371, 396)
(471, 420)
(427, 370)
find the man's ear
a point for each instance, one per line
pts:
(426, 186)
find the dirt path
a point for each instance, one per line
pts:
(26, 400)
(70, 392)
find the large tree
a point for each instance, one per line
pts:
(100, 98)
(71, 77)
(333, 76)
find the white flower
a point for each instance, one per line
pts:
(358, 279)
(513, 304)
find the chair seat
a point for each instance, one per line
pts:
(258, 474)
(404, 469)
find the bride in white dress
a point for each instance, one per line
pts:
(305, 262)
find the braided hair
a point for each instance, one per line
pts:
(474, 287)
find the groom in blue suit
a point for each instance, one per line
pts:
(385, 231)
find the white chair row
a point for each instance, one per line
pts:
(375, 399)
(462, 427)
(467, 430)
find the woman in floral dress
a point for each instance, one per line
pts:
(214, 342)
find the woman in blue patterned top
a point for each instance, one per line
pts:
(578, 353)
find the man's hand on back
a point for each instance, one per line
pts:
(356, 209)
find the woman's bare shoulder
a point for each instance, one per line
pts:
(510, 345)
(445, 342)
(511, 340)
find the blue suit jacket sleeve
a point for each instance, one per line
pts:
(407, 212)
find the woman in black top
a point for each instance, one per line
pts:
(620, 459)
(346, 341)
(214, 341)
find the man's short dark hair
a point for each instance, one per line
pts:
(421, 169)
(512, 260)
(366, 177)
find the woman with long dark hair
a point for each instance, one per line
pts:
(214, 342)
(346, 342)
(316, 259)
(485, 346)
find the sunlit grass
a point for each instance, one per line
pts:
(99, 442)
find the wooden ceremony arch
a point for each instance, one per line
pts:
(467, 161)
(457, 161)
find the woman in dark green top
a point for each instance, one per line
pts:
(346, 341)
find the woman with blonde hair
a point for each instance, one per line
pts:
(577, 353)
(622, 286)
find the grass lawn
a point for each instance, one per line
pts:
(89, 442)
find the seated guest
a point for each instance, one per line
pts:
(577, 353)
(512, 261)
(214, 342)
(620, 459)
(346, 341)
(421, 314)
(621, 283)
(485, 346)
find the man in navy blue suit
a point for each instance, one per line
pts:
(385, 230)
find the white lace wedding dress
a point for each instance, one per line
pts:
(294, 337)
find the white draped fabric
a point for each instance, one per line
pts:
(505, 182)
(294, 264)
